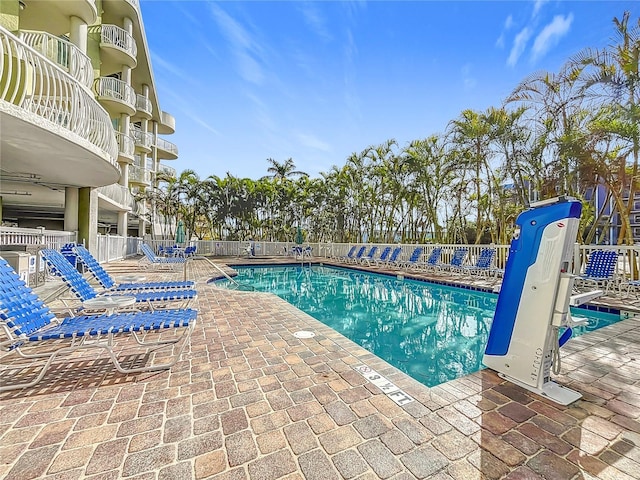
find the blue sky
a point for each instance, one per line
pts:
(317, 81)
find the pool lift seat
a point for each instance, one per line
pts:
(532, 318)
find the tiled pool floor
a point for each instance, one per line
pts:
(248, 400)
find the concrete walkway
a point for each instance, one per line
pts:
(249, 400)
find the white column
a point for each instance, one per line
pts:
(78, 33)
(71, 209)
(123, 221)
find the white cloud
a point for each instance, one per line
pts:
(311, 141)
(508, 23)
(314, 19)
(519, 45)
(467, 79)
(551, 35)
(247, 51)
(537, 5)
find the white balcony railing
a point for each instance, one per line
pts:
(61, 52)
(167, 171)
(126, 146)
(142, 139)
(117, 37)
(139, 175)
(143, 104)
(167, 146)
(119, 194)
(34, 83)
(116, 89)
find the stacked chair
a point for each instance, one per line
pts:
(27, 322)
(382, 258)
(107, 282)
(150, 259)
(83, 291)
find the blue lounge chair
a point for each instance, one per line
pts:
(457, 260)
(101, 275)
(382, 258)
(369, 256)
(432, 261)
(483, 265)
(26, 321)
(81, 288)
(348, 256)
(599, 270)
(150, 259)
(413, 259)
(356, 258)
(393, 258)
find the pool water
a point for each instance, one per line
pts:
(434, 333)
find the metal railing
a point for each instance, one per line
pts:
(119, 194)
(35, 236)
(139, 174)
(35, 84)
(114, 247)
(61, 52)
(114, 88)
(126, 146)
(142, 139)
(117, 37)
(169, 171)
(143, 104)
(166, 146)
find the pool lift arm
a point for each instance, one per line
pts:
(533, 304)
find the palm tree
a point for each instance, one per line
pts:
(284, 170)
(612, 75)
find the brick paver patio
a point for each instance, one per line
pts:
(248, 400)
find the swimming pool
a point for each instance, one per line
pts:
(434, 333)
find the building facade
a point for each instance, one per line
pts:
(80, 122)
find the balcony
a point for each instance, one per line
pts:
(63, 53)
(116, 96)
(166, 150)
(143, 140)
(143, 106)
(166, 171)
(117, 48)
(167, 125)
(139, 175)
(126, 147)
(52, 126)
(55, 17)
(119, 197)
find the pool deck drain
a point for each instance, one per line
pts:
(248, 400)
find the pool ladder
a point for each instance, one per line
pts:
(237, 284)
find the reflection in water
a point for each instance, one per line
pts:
(432, 332)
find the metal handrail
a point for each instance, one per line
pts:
(224, 274)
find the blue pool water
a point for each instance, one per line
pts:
(434, 333)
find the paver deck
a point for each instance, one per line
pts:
(248, 400)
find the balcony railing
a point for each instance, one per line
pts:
(116, 89)
(167, 146)
(117, 37)
(143, 104)
(125, 144)
(119, 194)
(142, 139)
(167, 171)
(63, 53)
(139, 175)
(36, 84)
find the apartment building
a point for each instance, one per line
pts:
(81, 128)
